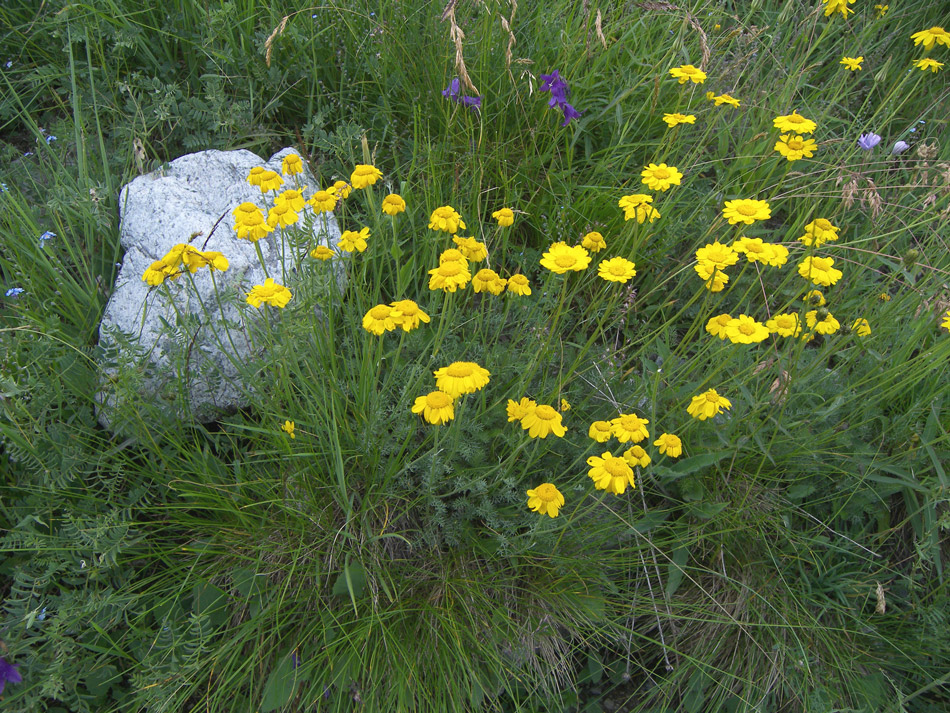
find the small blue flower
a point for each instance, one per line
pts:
(50, 139)
(48, 235)
(9, 63)
(8, 673)
(899, 147)
(14, 292)
(3, 188)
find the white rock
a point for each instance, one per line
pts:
(185, 355)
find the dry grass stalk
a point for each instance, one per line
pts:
(690, 18)
(269, 42)
(457, 36)
(506, 24)
(871, 198)
(599, 29)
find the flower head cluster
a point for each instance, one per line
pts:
(660, 177)
(183, 256)
(928, 63)
(445, 218)
(676, 119)
(746, 210)
(594, 242)
(451, 273)
(470, 248)
(561, 258)
(559, 90)
(352, 240)
(486, 280)
(794, 147)
(930, 36)
(542, 420)
(852, 63)
(324, 201)
(794, 123)
(249, 222)
(379, 319)
(708, 404)
(504, 216)
(833, 6)
(270, 293)
(757, 250)
(819, 231)
(393, 204)
(545, 499)
(610, 473)
(637, 207)
(407, 315)
(720, 99)
(436, 407)
(291, 165)
(264, 179)
(629, 427)
(461, 377)
(364, 175)
(819, 270)
(688, 73)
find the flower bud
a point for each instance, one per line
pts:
(899, 147)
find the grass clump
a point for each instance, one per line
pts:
(633, 395)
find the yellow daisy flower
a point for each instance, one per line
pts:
(393, 204)
(270, 181)
(504, 216)
(819, 270)
(928, 63)
(323, 201)
(794, 123)
(517, 410)
(610, 473)
(594, 242)
(746, 210)
(637, 206)
(352, 240)
(708, 404)
(446, 219)
(407, 314)
(519, 285)
(930, 36)
(720, 99)
(486, 280)
(676, 119)
(833, 6)
(379, 319)
(471, 248)
(561, 257)
(449, 276)
(292, 165)
(794, 147)
(716, 326)
(660, 177)
(629, 427)
(322, 252)
(819, 231)
(616, 269)
(436, 407)
(341, 189)
(786, 324)
(822, 321)
(636, 456)
(461, 377)
(270, 293)
(746, 330)
(688, 73)
(814, 298)
(545, 499)
(364, 175)
(669, 445)
(283, 215)
(861, 327)
(288, 427)
(292, 197)
(852, 63)
(542, 421)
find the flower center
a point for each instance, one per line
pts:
(795, 143)
(450, 269)
(565, 260)
(437, 399)
(745, 209)
(380, 312)
(617, 467)
(823, 224)
(794, 119)
(546, 493)
(617, 270)
(661, 173)
(545, 413)
(712, 397)
(746, 328)
(459, 370)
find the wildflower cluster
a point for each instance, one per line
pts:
(559, 90)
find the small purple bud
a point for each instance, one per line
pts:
(899, 147)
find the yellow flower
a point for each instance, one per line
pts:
(746, 210)
(688, 73)
(471, 248)
(861, 327)
(341, 189)
(504, 216)
(716, 326)
(271, 293)
(323, 201)
(445, 218)
(616, 269)
(600, 431)
(195, 259)
(270, 181)
(660, 177)
(814, 298)
(379, 319)
(754, 249)
(517, 410)
(393, 204)
(946, 321)
(461, 377)
(594, 242)
(715, 281)
(436, 407)
(408, 315)
(714, 256)
(452, 255)
(884, 297)
(629, 427)
(833, 6)
(292, 197)
(745, 330)
(156, 273)
(351, 240)
(928, 63)
(636, 456)
(565, 406)
(793, 147)
(288, 426)
(322, 252)
(519, 285)
(669, 445)
(881, 10)
(676, 119)
(852, 63)
(282, 214)
(448, 276)
(822, 321)
(638, 206)
(486, 280)
(818, 232)
(249, 222)
(292, 165)
(786, 324)
(721, 99)
(542, 421)
(930, 36)
(561, 257)
(364, 175)
(254, 176)
(795, 123)
(777, 255)
(819, 270)
(610, 473)
(708, 404)
(545, 499)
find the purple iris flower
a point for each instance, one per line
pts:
(869, 141)
(559, 90)
(8, 672)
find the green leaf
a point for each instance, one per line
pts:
(691, 465)
(280, 685)
(675, 569)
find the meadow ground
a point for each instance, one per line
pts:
(635, 398)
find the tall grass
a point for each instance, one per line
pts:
(791, 560)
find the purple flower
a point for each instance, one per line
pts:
(472, 101)
(899, 147)
(559, 91)
(869, 141)
(8, 672)
(454, 92)
(48, 235)
(13, 292)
